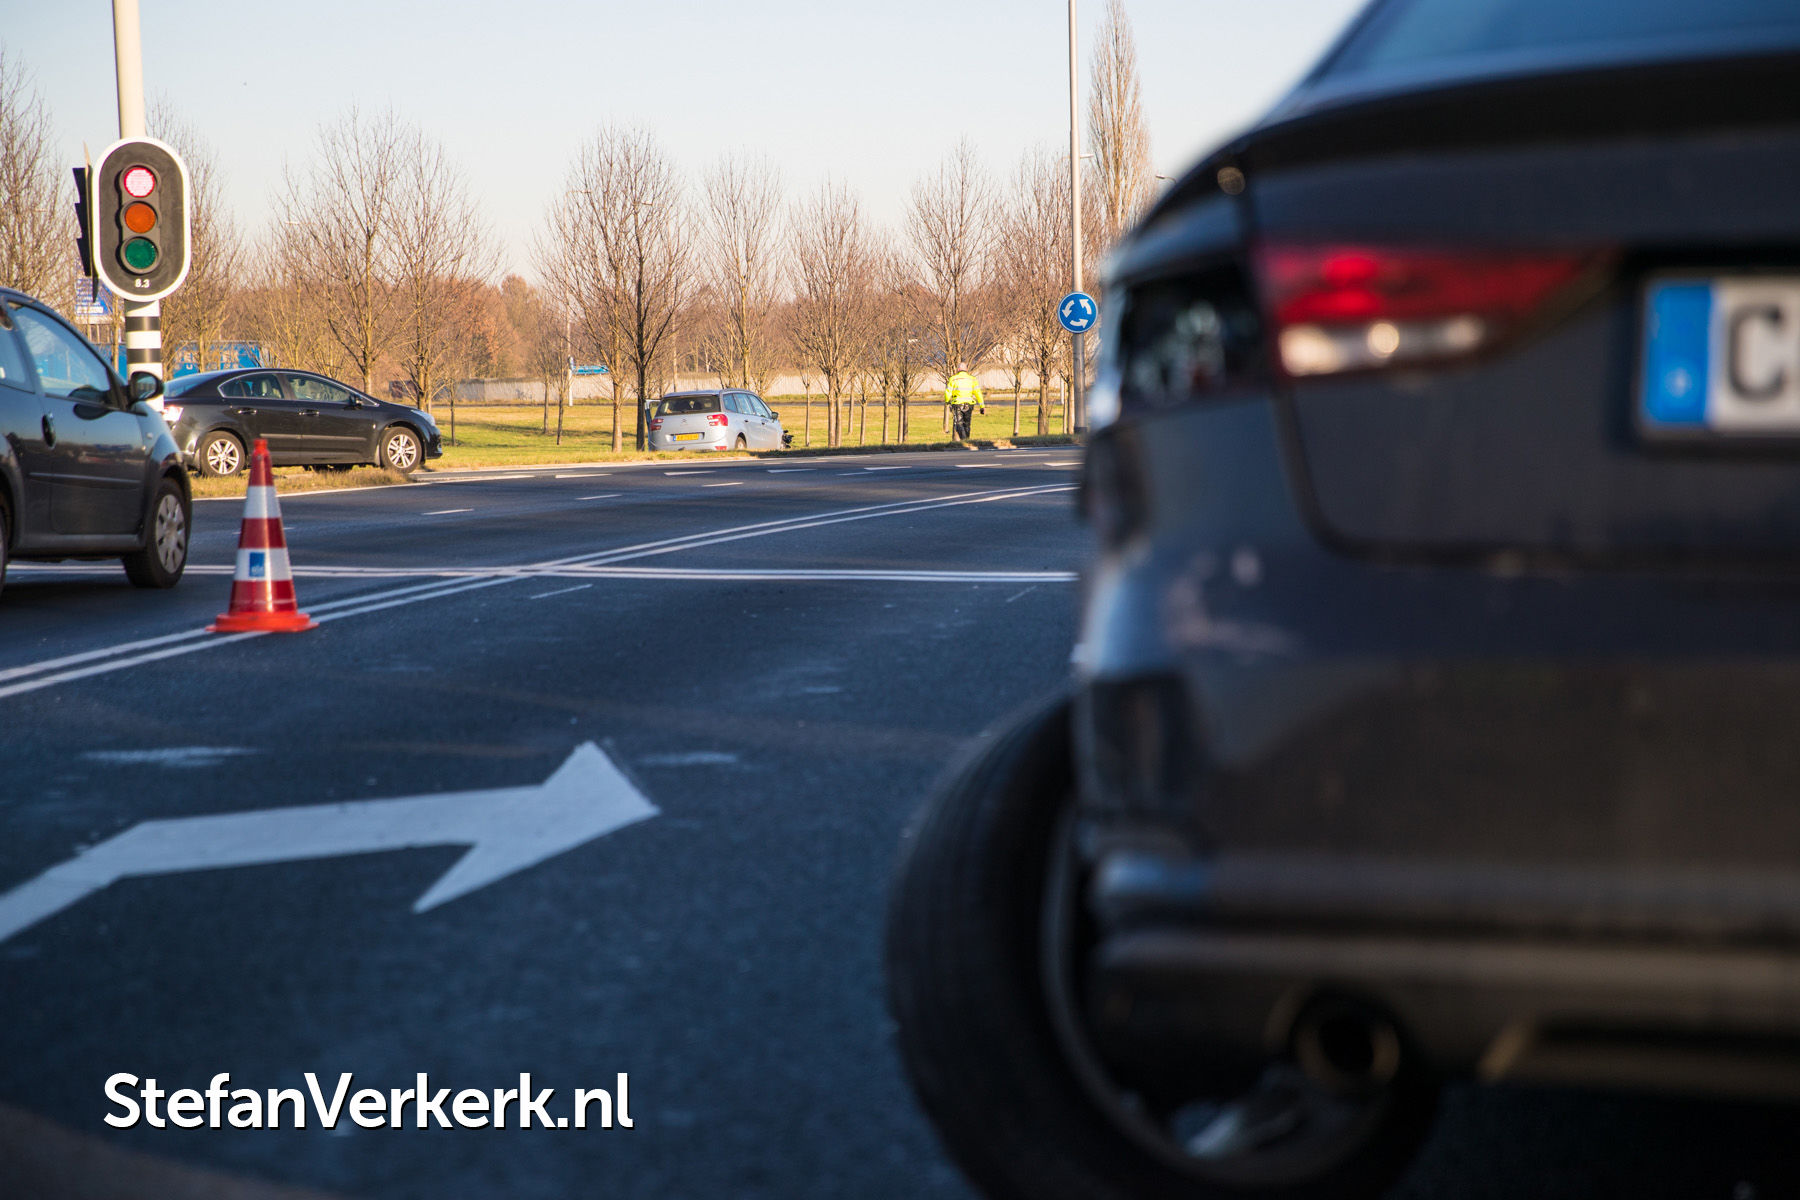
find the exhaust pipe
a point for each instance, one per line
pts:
(1345, 1047)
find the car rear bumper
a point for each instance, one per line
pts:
(663, 442)
(1568, 978)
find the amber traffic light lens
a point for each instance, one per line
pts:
(138, 182)
(140, 217)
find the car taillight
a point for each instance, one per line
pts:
(1338, 308)
(655, 424)
(719, 419)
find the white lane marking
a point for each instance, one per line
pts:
(986, 466)
(781, 575)
(596, 475)
(173, 756)
(697, 758)
(902, 467)
(448, 512)
(708, 472)
(1059, 464)
(791, 470)
(606, 496)
(507, 830)
(733, 483)
(894, 508)
(193, 641)
(580, 587)
(478, 479)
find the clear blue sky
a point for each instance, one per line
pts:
(869, 94)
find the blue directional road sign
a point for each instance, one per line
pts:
(1078, 312)
(592, 370)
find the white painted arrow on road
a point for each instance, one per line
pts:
(507, 830)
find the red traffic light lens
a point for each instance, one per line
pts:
(139, 217)
(138, 182)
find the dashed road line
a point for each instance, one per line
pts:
(580, 587)
(447, 512)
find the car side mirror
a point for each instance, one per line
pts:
(143, 387)
(775, 414)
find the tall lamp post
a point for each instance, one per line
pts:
(1077, 415)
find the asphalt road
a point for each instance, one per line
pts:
(779, 657)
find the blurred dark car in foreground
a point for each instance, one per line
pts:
(1434, 713)
(87, 469)
(307, 419)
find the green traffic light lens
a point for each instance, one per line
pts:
(139, 254)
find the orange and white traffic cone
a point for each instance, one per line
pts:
(262, 591)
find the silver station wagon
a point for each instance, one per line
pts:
(715, 420)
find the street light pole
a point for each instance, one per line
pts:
(1075, 416)
(143, 322)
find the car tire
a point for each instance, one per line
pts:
(741, 443)
(977, 1030)
(221, 455)
(401, 449)
(166, 533)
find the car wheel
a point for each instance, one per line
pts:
(400, 449)
(221, 455)
(741, 443)
(983, 982)
(164, 556)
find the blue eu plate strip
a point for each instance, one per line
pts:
(1677, 358)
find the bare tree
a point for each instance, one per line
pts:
(1034, 250)
(834, 274)
(1123, 179)
(443, 256)
(206, 303)
(899, 361)
(617, 247)
(948, 222)
(343, 213)
(741, 263)
(284, 308)
(37, 239)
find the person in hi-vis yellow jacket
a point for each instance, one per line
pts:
(963, 393)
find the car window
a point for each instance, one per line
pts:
(736, 404)
(317, 391)
(251, 387)
(1403, 33)
(762, 408)
(12, 359)
(678, 406)
(66, 364)
(184, 385)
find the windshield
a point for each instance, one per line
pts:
(1406, 33)
(680, 406)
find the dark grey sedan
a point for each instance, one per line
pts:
(87, 470)
(307, 419)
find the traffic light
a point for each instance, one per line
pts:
(84, 237)
(138, 214)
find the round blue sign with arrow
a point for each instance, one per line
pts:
(1078, 312)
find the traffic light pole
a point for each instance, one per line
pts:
(143, 322)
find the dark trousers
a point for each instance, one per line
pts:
(960, 415)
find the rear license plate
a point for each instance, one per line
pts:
(1722, 357)
(687, 437)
